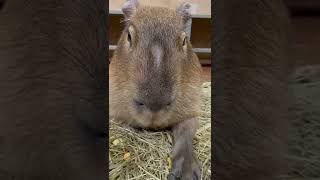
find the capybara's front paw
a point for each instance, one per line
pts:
(185, 169)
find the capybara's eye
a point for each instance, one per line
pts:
(129, 38)
(184, 41)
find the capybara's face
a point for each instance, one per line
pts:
(156, 48)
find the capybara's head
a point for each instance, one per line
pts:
(154, 48)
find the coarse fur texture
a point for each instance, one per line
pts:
(53, 90)
(154, 79)
(250, 95)
(304, 156)
(181, 69)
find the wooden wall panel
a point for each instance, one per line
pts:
(201, 33)
(115, 28)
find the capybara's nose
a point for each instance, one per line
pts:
(154, 105)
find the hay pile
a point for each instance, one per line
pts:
(144, 155)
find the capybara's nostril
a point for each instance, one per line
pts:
(169, 103)
(138, 103)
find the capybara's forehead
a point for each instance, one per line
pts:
(157, 19)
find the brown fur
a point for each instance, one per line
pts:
(135, 76)
(250, 97)
(124, 73)
(53, 90)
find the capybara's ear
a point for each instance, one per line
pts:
(184, 9)
(129, 7)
